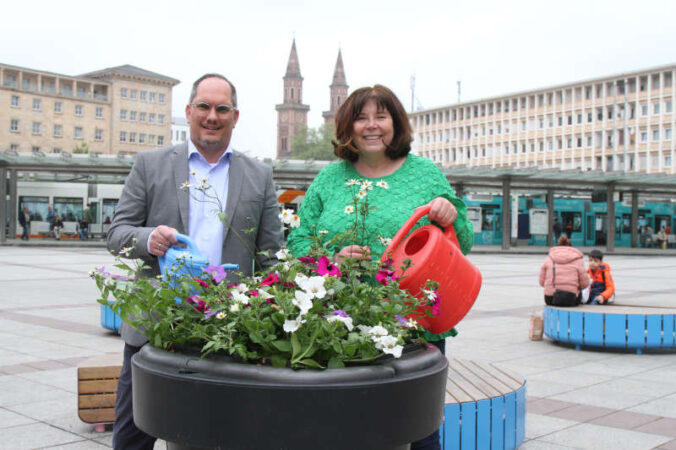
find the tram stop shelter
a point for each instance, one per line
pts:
(502, 182)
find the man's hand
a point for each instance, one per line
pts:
(352, 251)
(161, 239)
(600, 299)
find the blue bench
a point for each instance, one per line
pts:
(485, 407)
(616, 326)
(109, 319)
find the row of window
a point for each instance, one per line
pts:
(132, 115)
(78, 110)
(133, 137)
(37, 128)
(601, 112)
(144, 96)
(181, 135)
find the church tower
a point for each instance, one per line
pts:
(292, 113)
(338, 90)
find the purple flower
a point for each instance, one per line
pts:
(341, 313)
(102, 271)
(217, 273)
(324, 267)
(403, 322)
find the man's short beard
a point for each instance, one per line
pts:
(211, 145)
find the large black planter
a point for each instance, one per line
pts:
(219, 404)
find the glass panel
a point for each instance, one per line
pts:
(37, 207)
(69, 208)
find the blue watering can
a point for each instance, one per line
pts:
(180, 261)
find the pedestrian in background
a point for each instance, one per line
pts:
(563, 275)
(25, 222)
(557, 229)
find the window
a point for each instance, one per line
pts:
(58, 107)
(590, 117)
(37, 104)
(667, 134)
(98, 134)
(36, 127)
(151, 118)
(668, 106)
(99, 112)
(78, 110)
(152, 97)
(656, 108)
(14, 147)
(656, 134)
(142, 117)
(183, 137)
(142, 138)
(132, 94)
(123, 136)
(644, 109)
(58, 130)
(560, 121)
(160, 140)
(77, 133)
(644, 136)
(35, 149)
(161, 98)
(132, 137)
(151, 139)
(132, 116)
(15, 101)
(667, 160)
(123, 114)
(123, 92)
(56, 150)
(160, 118)
(14, 125)
(143, 95)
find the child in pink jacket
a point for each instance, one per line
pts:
(571, 274)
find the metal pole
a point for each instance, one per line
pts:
(610, 239)
(550, 215)
(506, 213)
(3, 205)
(634, 219)
(13, 204)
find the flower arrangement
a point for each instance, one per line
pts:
(303, 312)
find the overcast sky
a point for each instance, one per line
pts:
(493, 47)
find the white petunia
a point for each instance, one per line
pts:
(378, 331)
(303, 301)
(295, 221)
(346, 320)
(292, 325)
(313, 286)
(283, 254)
(349, 209)
(264, 294)
(239, 297)
(300, 278)
(382, 184)
(242, 288)
(388, 344)
(430, 294)
(234, 307)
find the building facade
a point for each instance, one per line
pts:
(338, 90)
(180, 130)
(292, 113)
(622, 122)
(122, 109)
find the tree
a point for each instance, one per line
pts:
(82, 148)
(313, 143)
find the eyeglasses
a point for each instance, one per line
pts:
(204, 108)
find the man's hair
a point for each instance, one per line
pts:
(195, 85)
(596, 254)
(344, 147)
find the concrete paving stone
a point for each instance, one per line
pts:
(43, 411)
(600, 395)
(36, 435)
(538, 425)
(665, 407)
(663, 426)
(540, 388)
(86, 444)
(71, 422)
(581, 413)
(11, 419)
(28, 393)
(655, 388)
(545, 405)
(570, 377)
(623, 364)
(65, 379)
(541, 445)
(625, 420)
(595, 437)
(671, 445)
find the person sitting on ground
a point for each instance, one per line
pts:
(563, 270)
(602, 287)
(83, 225)
(58, 226)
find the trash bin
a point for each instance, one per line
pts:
(216, 402)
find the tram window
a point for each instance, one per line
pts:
(69, 208)
(108, 210)
(661, 221)
(37, 206)
(626, 223)
(487, 218)
(572, 221)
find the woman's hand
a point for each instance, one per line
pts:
(442, 212)
(352, 251)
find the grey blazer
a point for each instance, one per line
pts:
(152, 196)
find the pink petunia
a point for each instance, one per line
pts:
(202, 283)
(384, 276)
(324, 267)
(197, 303)
(307, 260)
(272, 278)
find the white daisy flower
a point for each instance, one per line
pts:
(382, 184)
(361, 194)
(220, 315)
(295, 221)
(352, 182)
(349, 209)
(286, 216)
(366, 185)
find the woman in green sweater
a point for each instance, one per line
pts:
(373, 140)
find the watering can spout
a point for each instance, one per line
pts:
(435, 255)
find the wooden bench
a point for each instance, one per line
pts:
(617, 326)
(97, 389)
(485, 407)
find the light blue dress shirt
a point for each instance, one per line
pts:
(204, 226)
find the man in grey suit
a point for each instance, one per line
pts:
(153, 206)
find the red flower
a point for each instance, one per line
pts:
(272, 278)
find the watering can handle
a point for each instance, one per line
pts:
(418, 213)
(192, 247)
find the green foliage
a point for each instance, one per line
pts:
(82, 148)
(313, 143)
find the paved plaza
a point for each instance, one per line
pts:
(49, 322)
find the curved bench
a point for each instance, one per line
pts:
(485, 407)
(109, 319)
(616, 326)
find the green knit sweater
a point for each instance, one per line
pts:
(417, 182)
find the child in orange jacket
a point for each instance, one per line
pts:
(602, 287)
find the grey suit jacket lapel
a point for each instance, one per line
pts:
(235, 179)
(180, 165)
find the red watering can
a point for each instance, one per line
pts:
(435, 255)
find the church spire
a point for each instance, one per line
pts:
(339, 72)
(293, 67)
(291, 113)
(338, 90)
